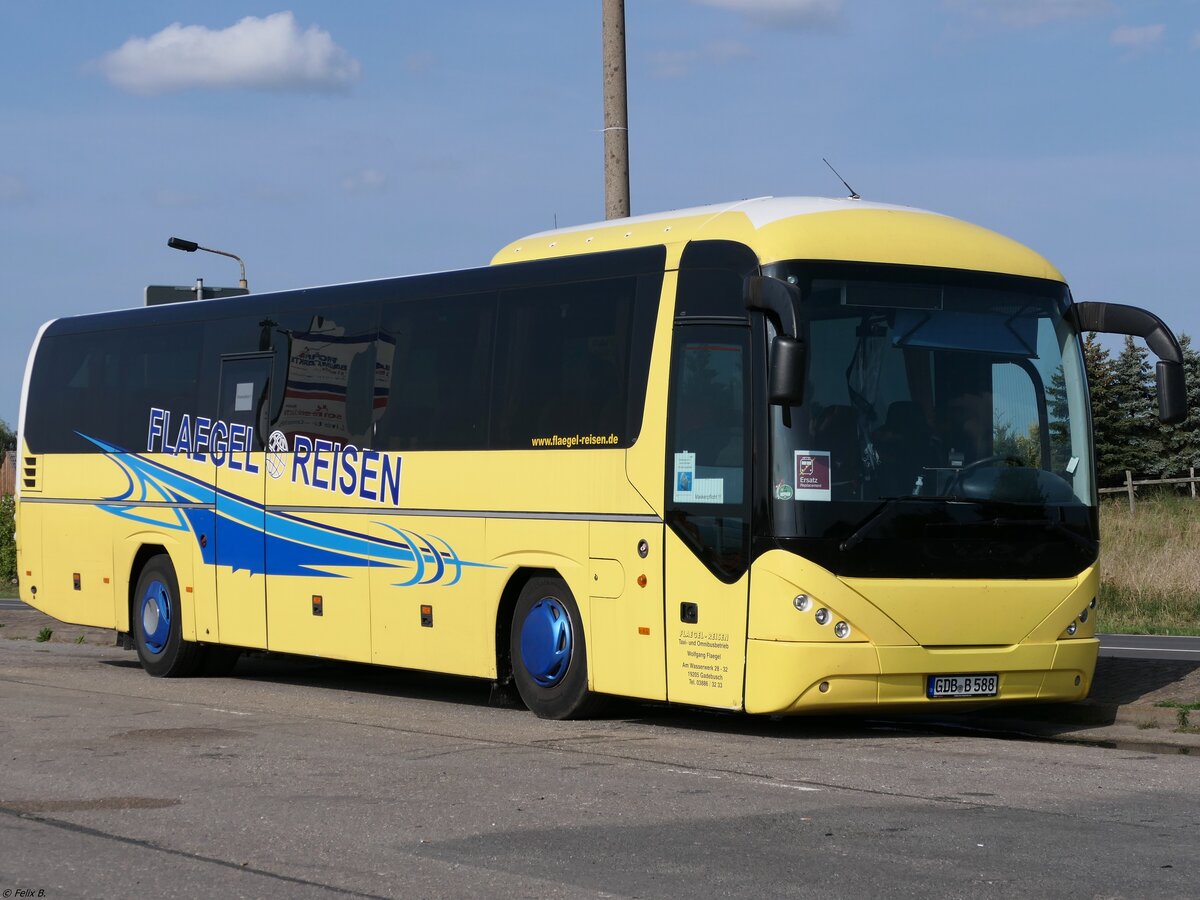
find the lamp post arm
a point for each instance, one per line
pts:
(241, 283)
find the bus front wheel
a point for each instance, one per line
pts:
(156, 627)
(548, 653)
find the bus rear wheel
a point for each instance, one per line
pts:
(548, 652)
(156, 627)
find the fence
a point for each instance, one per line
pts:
(1130, 487)
(8, 474)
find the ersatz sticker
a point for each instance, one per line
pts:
(813, 475)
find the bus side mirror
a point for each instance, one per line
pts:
(1172, 392)
(1116, 318)
(785, 383)
(778, 299)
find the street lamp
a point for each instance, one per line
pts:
(191, 247)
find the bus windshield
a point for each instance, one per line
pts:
(937, 405)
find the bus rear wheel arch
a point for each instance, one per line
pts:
(548, 651)
(155, 622)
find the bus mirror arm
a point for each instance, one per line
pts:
(774, 297)
(1117, 318)
(778, 299)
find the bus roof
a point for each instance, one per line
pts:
(782, 228)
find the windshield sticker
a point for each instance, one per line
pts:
(813, 481)
(783, 491)
(709, 490)
(685, 477)
(243, 400)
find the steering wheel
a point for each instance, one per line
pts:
(979, 464)
(1001, 457)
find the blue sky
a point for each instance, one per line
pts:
(329, 142)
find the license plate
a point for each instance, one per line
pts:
(962, 686)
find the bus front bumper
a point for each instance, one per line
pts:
(793, 677)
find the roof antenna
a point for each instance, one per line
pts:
(853, 193)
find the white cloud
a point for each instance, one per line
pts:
(263, 54)
(366, 181)
(1031, 13)
(680, 63)
(1137, 37)
(786, 13)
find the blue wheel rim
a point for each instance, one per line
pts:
(155, 613)
(546, 642)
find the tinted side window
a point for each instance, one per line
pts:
(327, 373)
(435, 395)
(103, 384)
(563, 363)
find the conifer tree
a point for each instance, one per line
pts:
(1139, 439)
(1182, 441)
(1106, 414)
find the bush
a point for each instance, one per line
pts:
(8, 546)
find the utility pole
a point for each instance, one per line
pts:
(616, 112)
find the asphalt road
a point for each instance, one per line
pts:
(313, 780)
(1149, 646)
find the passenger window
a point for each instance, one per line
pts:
(326, 365)
(431, 393)
(563, 370)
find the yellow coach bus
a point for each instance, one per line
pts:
(783, 455)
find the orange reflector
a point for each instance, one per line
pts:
(187, 589)
(106, 581)
(641, 581)
(642, 629)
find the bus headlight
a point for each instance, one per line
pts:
(1072, 628)
(822, 616)
(802, 602)
(842, 630)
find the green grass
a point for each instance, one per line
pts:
(1149, 572)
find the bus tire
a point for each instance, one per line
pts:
(548, 652)
(157, 635)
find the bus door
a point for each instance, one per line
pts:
(708, 514)
(238, 455)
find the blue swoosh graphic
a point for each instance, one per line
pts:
(272, 543)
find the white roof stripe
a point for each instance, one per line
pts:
(760, 210)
